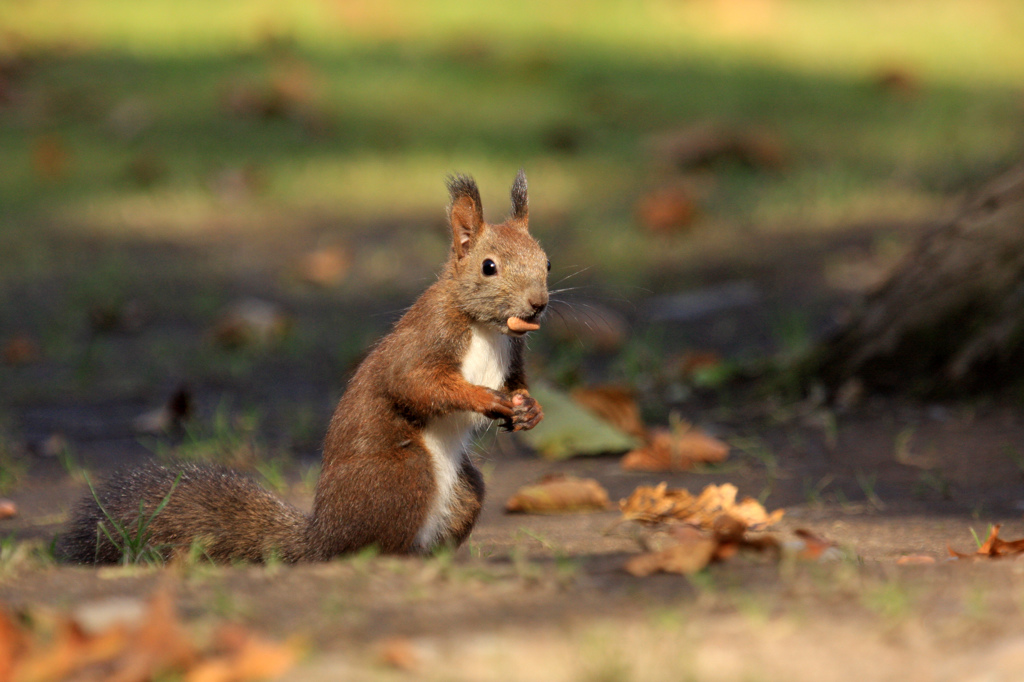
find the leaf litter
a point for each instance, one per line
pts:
(675, 449)
(994, 547)
(679, 447)
(683, 533)
(559, 493)
(156, 646)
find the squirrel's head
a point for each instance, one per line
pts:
(501, 272)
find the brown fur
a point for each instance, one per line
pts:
(377, 482)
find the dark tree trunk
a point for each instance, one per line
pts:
(950, 319)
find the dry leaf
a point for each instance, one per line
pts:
(325, 267)
(811, 547)
(155, 648)
(675, 449)
(12, 645)
(7, 510)
(666, 210)
(691, 362)
(399, 652)
(251, 322)
(50, 157)
(703, 144)
(993, 547)
(692, 549)
(614, 404)
(896, 80)
(242, 655)
(569, 430)
(659, 504)
(20, 350)
(285, 93)
(559, 494)
(690, 555)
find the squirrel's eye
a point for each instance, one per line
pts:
(490, 267)
(549, 266)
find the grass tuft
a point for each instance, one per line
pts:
(133, 541)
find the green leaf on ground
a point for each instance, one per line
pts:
(569, 429)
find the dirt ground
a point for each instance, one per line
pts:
(545, 597)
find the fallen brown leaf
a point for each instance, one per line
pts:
(666, 210)
(703, 144)
(156, 648)
(993, 547)
(20, 350)
(614, 404)
(251, 322)
(658, 504)
(691, 554)
(692, 549)
(7, 510)
(50, 157)
(400, 653)
(242, 655)
(687, 364)
(811, 547)
(559, 494)
(12, 645)
(675, 449)
(897, 80)
(325, 267)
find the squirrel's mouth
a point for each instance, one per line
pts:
(519, 325)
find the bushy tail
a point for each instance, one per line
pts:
(153, 512)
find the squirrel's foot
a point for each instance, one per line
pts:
(527, 413)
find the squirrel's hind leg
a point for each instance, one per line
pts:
(466, 504)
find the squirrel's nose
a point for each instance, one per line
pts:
(538, 303)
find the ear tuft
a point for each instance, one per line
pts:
(465, 213)
(520, 200)
(460, 185)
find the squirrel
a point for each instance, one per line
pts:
(395, 474)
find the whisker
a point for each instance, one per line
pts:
(573, 274)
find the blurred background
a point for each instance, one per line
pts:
(223, 204)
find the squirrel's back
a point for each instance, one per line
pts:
(227, 514)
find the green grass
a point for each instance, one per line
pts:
(134, 541)
(414, 90)
(227, 439)
(399, 93)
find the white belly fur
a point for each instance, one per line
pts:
(446, 438)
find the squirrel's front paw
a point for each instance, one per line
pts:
(527, 413)
(494, 404)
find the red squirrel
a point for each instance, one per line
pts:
(395, 473)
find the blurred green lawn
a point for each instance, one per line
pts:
(411, 90)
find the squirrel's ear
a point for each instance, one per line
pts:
(520, 201)
(465, 213)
